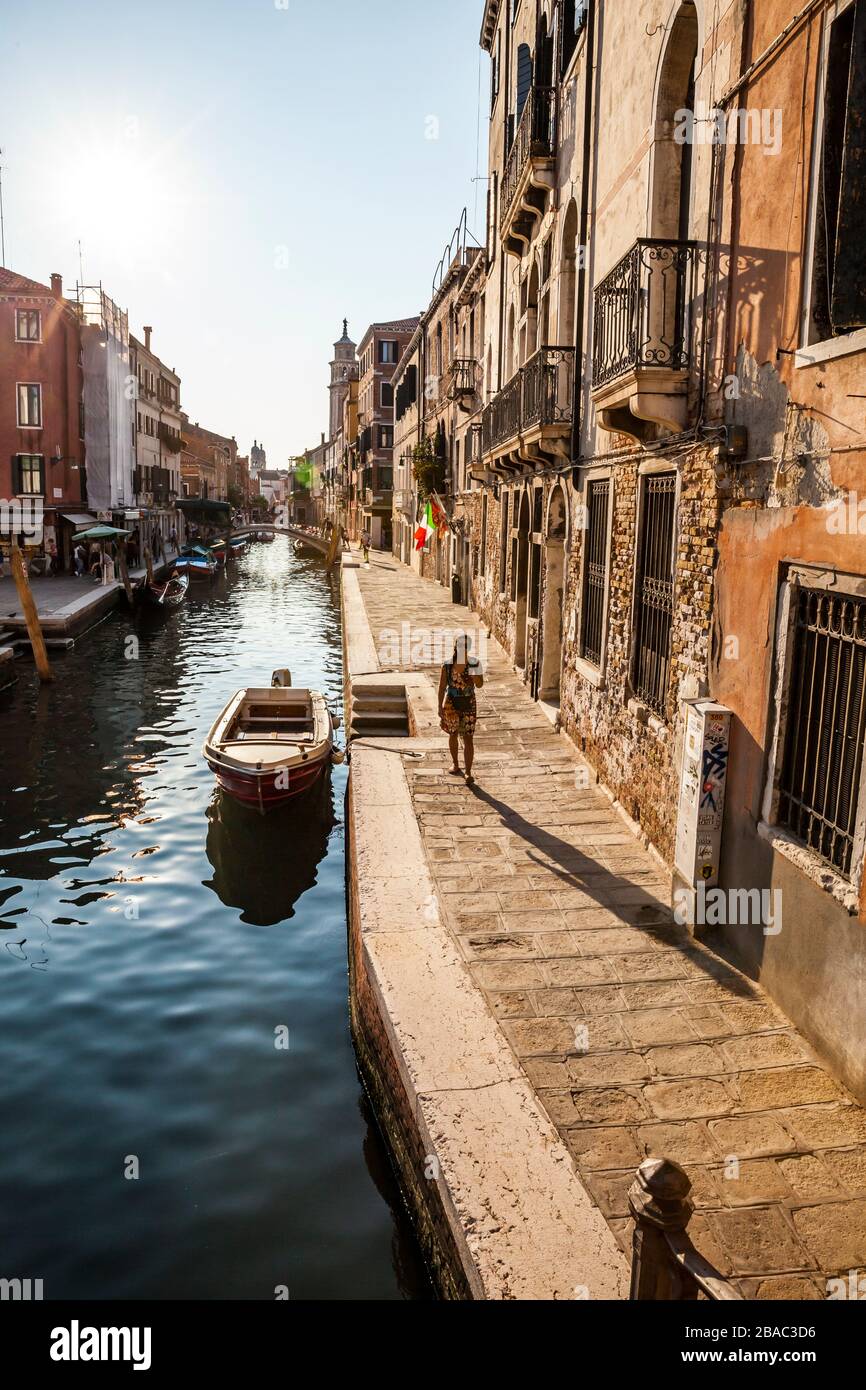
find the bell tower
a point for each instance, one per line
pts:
(343, 369)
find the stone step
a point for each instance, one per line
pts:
(366, 702)
(379, 731)
(364, 692)
(397, 723)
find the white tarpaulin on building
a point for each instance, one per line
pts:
(109, 402)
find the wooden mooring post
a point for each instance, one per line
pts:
(124, 571)
(31, 615)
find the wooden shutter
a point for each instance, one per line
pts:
(848, 309)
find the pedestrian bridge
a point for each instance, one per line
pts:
(319, 543)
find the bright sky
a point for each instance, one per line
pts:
(241, 175)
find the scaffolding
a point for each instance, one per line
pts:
(109, 400)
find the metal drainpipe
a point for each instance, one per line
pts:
(589, 54)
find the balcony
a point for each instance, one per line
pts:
(463, 381)
(642, 339)
(532, 415)
(529, 177)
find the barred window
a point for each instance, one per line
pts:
(655, 590)
(594, 570)
(822, 759)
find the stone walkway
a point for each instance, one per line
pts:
(637, 1040)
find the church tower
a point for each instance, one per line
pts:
(344, 368)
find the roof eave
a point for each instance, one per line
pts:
(488, 24)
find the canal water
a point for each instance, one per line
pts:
(159, 947)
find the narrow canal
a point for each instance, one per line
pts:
(157, 948)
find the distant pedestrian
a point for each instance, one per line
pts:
(366, 541)
(460, 678)
(344, 539)
(53, 560)
(173, 539)
(107, 563)
(80, 559)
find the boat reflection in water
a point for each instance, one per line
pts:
(264, 866)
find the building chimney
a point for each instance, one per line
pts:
(57, 285)
(147, 332)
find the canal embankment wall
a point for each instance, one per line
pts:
(497, 1205)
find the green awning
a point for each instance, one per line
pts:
(101, 533)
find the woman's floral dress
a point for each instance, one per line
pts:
(459, 721)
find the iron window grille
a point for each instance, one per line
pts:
(655, 591)
(822, 758)
(595, 570)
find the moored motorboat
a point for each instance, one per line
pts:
(197, 562)
(270, 744)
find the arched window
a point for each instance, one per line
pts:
(574, 16)
(524, 76)
(672, 162)
(568, 279)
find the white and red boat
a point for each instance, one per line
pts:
(270, 744)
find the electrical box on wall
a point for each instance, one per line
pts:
(702, 795)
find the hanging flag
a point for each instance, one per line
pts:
(421, 537)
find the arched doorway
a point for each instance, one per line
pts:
(552, 616)
(520, 579)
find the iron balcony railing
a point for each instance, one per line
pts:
(540, 394)
(643, 310)
(535, 138)
(464, 377)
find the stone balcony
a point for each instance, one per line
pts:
(529, 177)
(642, 339)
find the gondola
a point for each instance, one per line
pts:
(168, 594)
(269, 745)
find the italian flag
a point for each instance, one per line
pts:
(426, 529)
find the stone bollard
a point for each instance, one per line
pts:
(658, 1201)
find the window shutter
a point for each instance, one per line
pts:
(524, 76)
(16, 474)
(849, 282)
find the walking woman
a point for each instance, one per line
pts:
(460, 678)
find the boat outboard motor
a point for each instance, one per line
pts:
(282, 678)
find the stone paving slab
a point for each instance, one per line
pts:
(637, 1039)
